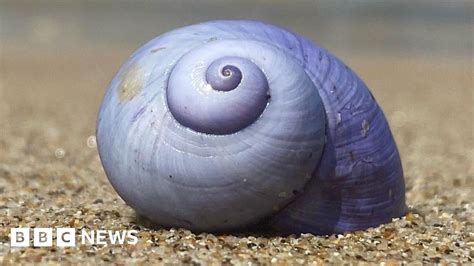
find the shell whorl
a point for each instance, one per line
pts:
(221, 96)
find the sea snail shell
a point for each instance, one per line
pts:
(227, 124)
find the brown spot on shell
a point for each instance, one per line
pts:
(131, 83)
(157, 49)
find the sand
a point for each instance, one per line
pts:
(51, 176)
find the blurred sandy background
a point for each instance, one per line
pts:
(56, 58)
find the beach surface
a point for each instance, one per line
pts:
(54, 72)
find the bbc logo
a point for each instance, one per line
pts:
(42, 237)
(66, 237)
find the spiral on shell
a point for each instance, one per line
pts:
(227, 124)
